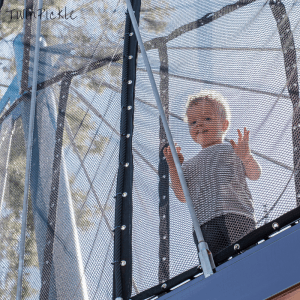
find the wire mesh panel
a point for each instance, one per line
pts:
(70, 219)
(246, 51)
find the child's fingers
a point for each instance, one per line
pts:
(233, 144)
(247, 135)
(240, 136)
(167, 151)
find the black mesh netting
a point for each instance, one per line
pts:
(237, 51)
(245, 50)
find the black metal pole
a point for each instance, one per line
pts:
(122, 279)
(163, 172)
(26, 42)
(290, 63)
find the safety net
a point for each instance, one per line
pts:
(89, 210)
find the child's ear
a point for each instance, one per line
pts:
(225, 125)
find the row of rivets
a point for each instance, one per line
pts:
(123, 227)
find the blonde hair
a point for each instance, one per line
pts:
(213, 97)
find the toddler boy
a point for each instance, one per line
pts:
(216, 176)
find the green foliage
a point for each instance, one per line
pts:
(88, 42)
(10, 223)
(83, 129)
(153, 15)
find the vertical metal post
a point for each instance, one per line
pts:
(26, 42)
(163, 173)
(122, 281)
(29, 144)
(290, 63)
(7, 130)
(206, 260)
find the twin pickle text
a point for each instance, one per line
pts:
(42, 13)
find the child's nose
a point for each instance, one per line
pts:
(199, 123)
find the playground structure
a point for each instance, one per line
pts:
(87, 210)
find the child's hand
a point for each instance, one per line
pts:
(242, 149)
(169, 157)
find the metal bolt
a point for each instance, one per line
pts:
(164, 176)
(275, 225)
(236, 247)
(164, 259)
(123, 263)
(298, 196)
(164, 216)
(126, 165)
(130, 57)
(164, 286)
(164, 197)
(164, 157)
(164, 237)
(129, 107)
(129, 81)
(131, 34)
(128, 135)
(124, 194)
(47, 262)
(123, 227)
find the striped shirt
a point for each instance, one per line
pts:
(217, 183)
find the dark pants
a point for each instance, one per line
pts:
(223, 231)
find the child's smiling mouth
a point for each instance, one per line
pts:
(202, 131)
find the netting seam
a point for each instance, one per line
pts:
(51, 223)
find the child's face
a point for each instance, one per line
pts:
(206, 126)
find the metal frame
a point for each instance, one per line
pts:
(206, 260)
(25, 75)
(290, 62)
(163, 173)
(122, 279)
